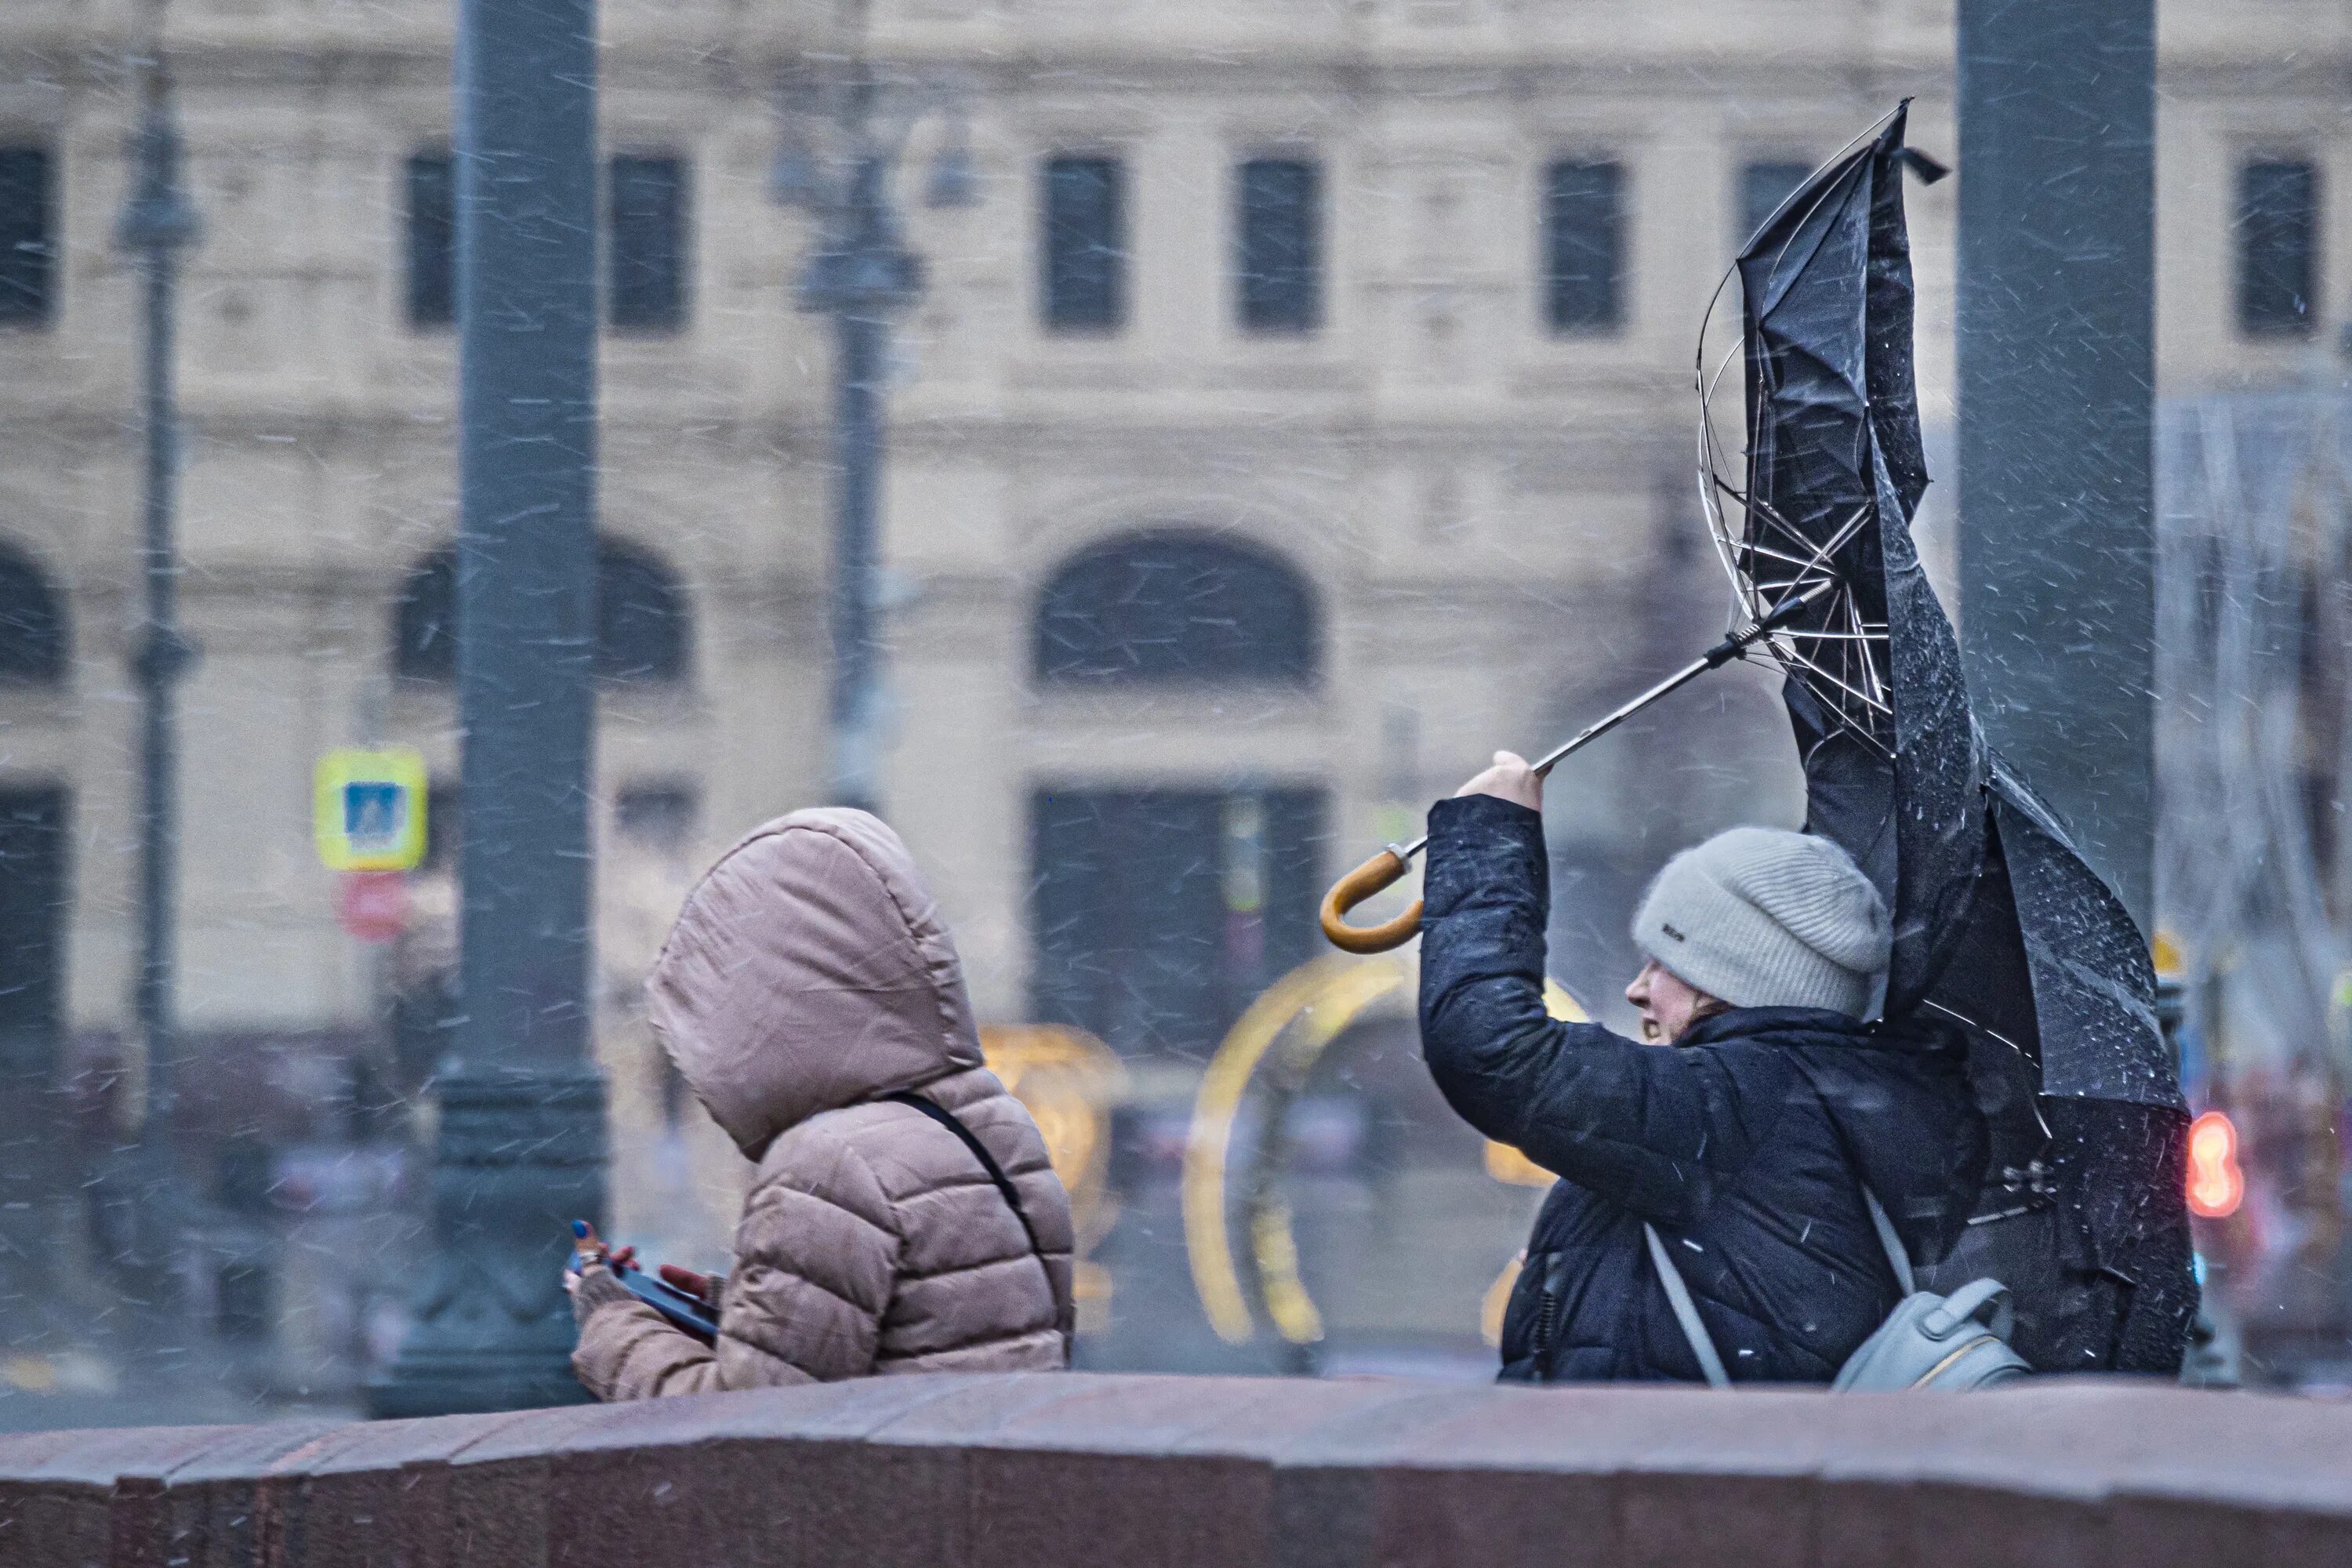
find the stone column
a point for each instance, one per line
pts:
(521, 1135)
(2057, 369)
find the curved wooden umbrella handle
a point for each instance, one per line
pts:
(1381, 870)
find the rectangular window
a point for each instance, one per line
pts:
(1280, 246)
(432, 240)
(1583, 245)
(1084, 264)
(645, 281)
(2278, 261)
(28, 240)
(1763, 186)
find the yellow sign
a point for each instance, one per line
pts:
(368, 810)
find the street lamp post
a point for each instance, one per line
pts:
(862, 275)
(157, 223)
(520, 1143)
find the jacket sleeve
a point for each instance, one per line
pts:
(1629, 1122)
(815, 1256)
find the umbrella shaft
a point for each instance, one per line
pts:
(1721, 654)
(1586, 736)
(1674, 682)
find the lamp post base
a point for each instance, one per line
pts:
(474, 1382)
(520, 1156)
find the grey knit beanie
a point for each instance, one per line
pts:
(1761, 917)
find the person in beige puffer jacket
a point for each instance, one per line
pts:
(808, 978)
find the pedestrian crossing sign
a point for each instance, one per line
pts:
(368, 810)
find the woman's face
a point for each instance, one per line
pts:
(1668, 1005)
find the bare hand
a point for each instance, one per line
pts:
(1509, 778)
(688, 1281)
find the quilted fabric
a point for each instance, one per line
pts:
(808, 975)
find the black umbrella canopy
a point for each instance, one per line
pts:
(1999, 925)
(1895, 769)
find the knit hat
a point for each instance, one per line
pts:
(1761, 917)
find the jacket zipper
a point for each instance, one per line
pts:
(1547, 1324)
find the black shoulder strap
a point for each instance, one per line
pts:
(954, 1124)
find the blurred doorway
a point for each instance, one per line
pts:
(1159, 913)
(33, 897)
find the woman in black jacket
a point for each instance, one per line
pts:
(1748, 1144)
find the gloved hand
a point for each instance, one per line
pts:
(592, 1288)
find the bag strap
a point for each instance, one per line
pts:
(1967, 1303)
(1678, 1296)
(1898, 1257)
(954, 1123)
(1702, 1343)
(1888, 1238)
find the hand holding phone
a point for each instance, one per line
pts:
(686, 1300)
(588, 1249)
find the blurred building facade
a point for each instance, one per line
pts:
(1303, 410)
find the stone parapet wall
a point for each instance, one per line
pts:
(1080, 1471)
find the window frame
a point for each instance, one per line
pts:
(1119, 253)
(1256, 312)
(46, 251)
(1802, 168)
(418, 279)
(36, 623)
(675, 314)
(1611, 320)
(2291, 325)
(630, 580)
(1292, 657)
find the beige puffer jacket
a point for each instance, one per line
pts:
(807, 976)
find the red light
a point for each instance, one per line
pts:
(2216, 1185)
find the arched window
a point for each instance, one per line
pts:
(1176, 608)
(643, 624)
(32, 624)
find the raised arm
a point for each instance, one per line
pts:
(1626, 1121)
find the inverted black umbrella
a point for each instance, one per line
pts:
(2001, 926)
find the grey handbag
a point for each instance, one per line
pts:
(1957, 1341)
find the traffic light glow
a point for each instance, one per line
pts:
(2216, 1185)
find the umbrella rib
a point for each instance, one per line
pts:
(1760, 548)
(1869, 665)
(1863, 698)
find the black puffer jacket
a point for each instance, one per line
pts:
(1743, 1146)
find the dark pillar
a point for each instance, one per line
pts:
(862, 273)
(2057, 166)
(861, 348)
(144, 1214)
(156, 226)
(521, 1140)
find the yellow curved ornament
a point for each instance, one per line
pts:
(1330, 994)
(1068, 1082)
(1223, 1086)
